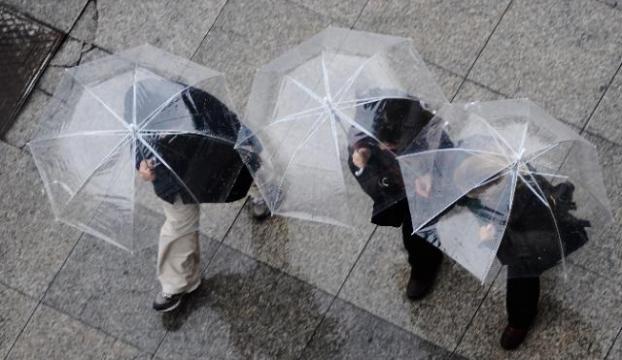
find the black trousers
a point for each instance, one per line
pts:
(522, 294)
(423, 257)
(521, 300)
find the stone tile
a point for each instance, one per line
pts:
(231, 54)
(378, 284)
(48, 11)
(53, 335)
(317, 253)
(346, 11)
(27, 122)
(578, 319)
(348, 332)
(112, 290)
(177, 27)
(471, 91)
(448, 33)
(14, 314)
(270, 27)
(216, 219)
(606, 119)
(603, 254)
(448, 81)
(243, 310)
(72, 52)
(33, 246)
(561, 54)
(616, 350)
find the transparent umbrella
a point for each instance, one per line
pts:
(312, 107)
(517, 186)
(108, 116)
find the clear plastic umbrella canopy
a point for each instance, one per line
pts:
(109, 115)
(516, 187)
(309, 108)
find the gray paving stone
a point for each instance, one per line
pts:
(60, 14)
(177, 26)
(347, 11)
(319, 254)
(53, 335)
(378, 284)
(447, 32)
(270, 27)
(448, 81)
(245, 310)
(230, 54)
(471, 91)
(606, 119)
(27, 122)
(348, 332)
(616, 350)
(559, 53)
(578, 319)
(112, 290)
(603, 254)
(33, 246)
(14, 314)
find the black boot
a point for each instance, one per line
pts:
(421, 283)
(512, 337)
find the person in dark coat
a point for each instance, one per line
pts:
(189, 159)
(395, 123)
(536, 238)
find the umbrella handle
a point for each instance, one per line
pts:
(359, 172)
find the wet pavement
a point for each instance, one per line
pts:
(285, 289)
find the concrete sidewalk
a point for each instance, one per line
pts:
(66, 295)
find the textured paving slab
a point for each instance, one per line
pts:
(607, 118)
(378, 284)
(107, 288)
(14, 314)
(177, 26)
(317, 253)
(563, 52)
(449, 33)
(48, 11)
(578, 319)
(351, 333)
(344, 10)
(245, 310)
(33, 245)
(471, 91)
(53, 335)
(603, 254)
(616, 350)
(271, 26)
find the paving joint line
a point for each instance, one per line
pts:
(602, 96)
(40, 301)
(209, 30)
(336, 296)
(494, 29)
(617, 337)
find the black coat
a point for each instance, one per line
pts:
(208, 165)
(396, 121)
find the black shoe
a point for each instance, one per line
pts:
(167, 302)
(419, 284)
(512, 337)
(259, 208)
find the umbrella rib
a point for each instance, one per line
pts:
(144, 122)
(134, 96)
(539, 193)
(312, 131)
(348, 84)
(99, 100)
(498, 136)
(96, 169)
(155, 153)
(474, 151)
(357, 126)
(306, 89)
(325, 77)
(81, 133)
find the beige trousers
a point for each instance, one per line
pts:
(178, 250)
